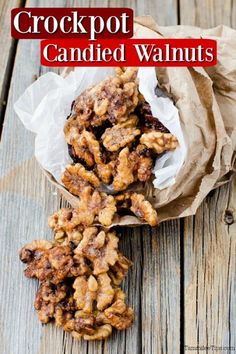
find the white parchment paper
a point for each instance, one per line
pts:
(45, 105)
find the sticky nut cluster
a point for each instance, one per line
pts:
(114, 141)
(80, 272)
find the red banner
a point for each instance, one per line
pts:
(129, 52)
(91, 23)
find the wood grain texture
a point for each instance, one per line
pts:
(7, 45)
(209, 242)
(207, 13)
(29, 199)
(209, 272)
(156, 281)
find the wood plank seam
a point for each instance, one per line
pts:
(182, 323)
(7, 77)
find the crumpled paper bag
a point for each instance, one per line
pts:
(206, 101)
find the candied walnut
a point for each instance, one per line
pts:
(95, 204)
(85, 292)
(119, 295)
(145, 167)
(61, 316)
(72, 128)
(142, 161)
(72, 181)
(119, 315)
(124, 171)
(103, 206)
(100, 248)
(127, 74)
(113, 98)
(76, 139)
(85, 213)
(53, 263)
(123, 201)
(105, 292)
(101, 106)
(36, 247)
(117, 137)
(68, 219)
(130, 122)
(91, 292)
(92, 204)
(63, 220)
(105, 171)
(159, 142)
(65, 309)
(107, 209)
(84, 326)
(93, 146)
(66, 237)
(122, 97)
(97, 120)
(143, 209)
(119, 270)
(83, 107)
(148, 122)
(82, 323)
(132, 166)
(35, 255)
(101, 332)
(47, 297)
(76, 177)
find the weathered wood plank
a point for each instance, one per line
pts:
(209, 242)
(153, 285)
(209, 272)
(209, 13)
(233, 15)
(8, 45)
(26, 199)
(160, 298)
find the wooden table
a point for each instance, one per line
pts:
(182, 284)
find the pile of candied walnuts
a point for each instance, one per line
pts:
(113, 140)
(80, 272)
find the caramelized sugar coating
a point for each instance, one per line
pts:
(93, 291)
(100, 247)
(143, 209)
(114, 140)
(119, 270)
(76, 177)
(79, 275)
(52, 264)
(124, 171)
(93, 206)
(117, 137)
(119, 315)
(159, 142)
(52, 301)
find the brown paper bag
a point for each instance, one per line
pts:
(206, 100)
